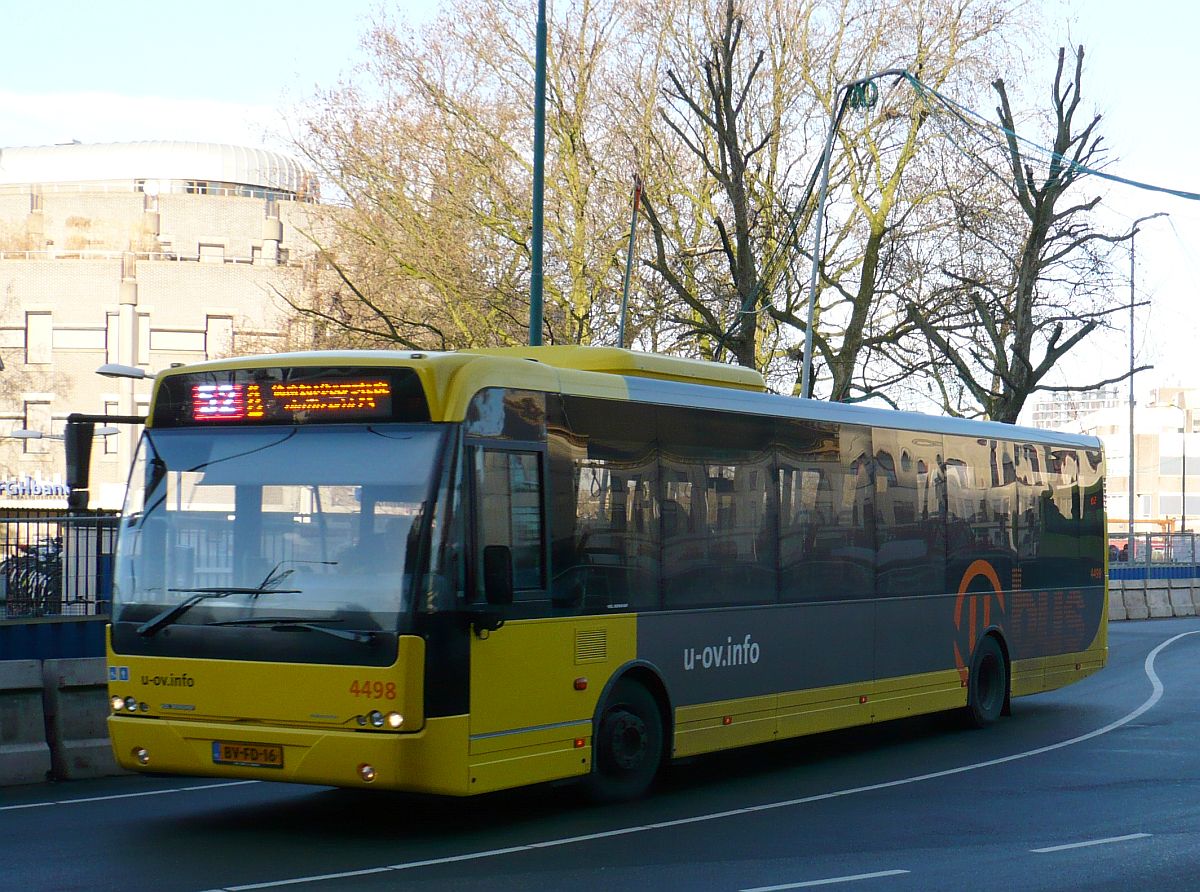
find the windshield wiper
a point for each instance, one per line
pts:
(287, 623)
(168, 616)
(272, 579)
(275, 577)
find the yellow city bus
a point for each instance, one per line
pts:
(461, 572)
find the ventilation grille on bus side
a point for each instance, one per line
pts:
(591, 645)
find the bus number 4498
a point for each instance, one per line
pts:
(375, 690)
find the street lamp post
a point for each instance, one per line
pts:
(26, 434)
(839, 107)
(1183, 468)
(128, 377)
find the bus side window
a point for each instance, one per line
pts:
(508, 493)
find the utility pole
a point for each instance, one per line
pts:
(1187, 423)
(539, 179)
(1132, 463)
(637, 199)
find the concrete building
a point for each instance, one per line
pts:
(1063, 410)
(1166, 460)
(144, 254)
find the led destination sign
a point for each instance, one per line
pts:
(296, 395)
(349, 398)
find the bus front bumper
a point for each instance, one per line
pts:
(433, 760)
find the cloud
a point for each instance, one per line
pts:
(28, 119)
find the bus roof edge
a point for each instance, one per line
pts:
(616, 361)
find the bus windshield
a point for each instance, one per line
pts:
(301, 527)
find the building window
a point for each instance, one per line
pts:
(112, 334)
(212, 253)
(37, 418)
(38, 338)
(110, 442)
(142, 357)
(218, 337)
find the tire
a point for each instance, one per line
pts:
(627, 746)
(987, 685)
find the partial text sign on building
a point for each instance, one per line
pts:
(33, 486)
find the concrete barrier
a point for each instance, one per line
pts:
(76, 706)
(24, 753)
(1135, 603)
(1116, 604)
(1158, 598)
(1181, 598)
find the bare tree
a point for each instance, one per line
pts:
(717, 128)
(877, 214)
(1013, 301)
(752, 114)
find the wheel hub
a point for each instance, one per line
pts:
(628, 740)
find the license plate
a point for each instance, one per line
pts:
(248, 755)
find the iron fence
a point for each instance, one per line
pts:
(56, 566)
(1153, 555)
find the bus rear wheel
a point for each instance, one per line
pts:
(987, 684)
(627, 748)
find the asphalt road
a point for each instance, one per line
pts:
(1096, 786)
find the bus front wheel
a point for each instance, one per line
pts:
(628, 745)
(987, 684)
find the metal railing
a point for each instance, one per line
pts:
(1153, 555)
(56, 566)
(102, 254)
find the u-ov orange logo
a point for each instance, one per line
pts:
(978, 606)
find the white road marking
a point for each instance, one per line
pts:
(829, 882)
(1090, 842)
(1150, 702)
(128, 795)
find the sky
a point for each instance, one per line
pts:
(1138, 70)
(227, 71)
(220, 71)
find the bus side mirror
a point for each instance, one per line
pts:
(497, 574)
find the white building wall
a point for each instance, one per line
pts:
(85, 279)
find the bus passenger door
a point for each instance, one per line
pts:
(521, 697)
